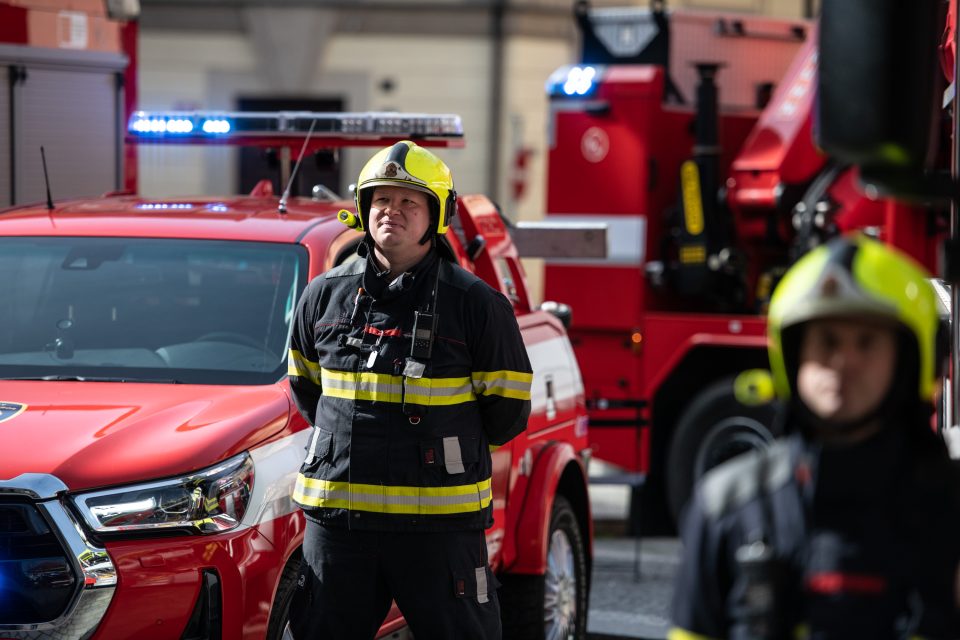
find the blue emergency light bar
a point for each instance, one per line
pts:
(197, 126)
(574, 81)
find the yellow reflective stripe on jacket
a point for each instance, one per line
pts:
(381, 387)
(298, 365)
(465, 498)
(676, 633)
(366, 385)
(509, 384)
(439, 391)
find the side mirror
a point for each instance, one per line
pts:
(561, 311)
(879, 86)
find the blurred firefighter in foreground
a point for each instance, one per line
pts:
(409, 368)
(849, 527)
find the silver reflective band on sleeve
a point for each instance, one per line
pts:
(509, 384)
(452, 457)
(313, 446)
(481, 573)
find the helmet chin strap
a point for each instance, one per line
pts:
(434, 223)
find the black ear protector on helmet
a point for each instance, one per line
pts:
(450, 209)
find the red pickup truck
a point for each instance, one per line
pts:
(149, 439)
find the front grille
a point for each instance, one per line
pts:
(37, 579)
(12, 520)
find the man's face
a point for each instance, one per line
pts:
(846, 367)
(399, 217)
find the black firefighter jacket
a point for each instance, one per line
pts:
(393, 447)
(865, 543)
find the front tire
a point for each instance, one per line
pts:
(552, 606)
(280, 611)
(714, 428)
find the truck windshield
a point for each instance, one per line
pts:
(170, 310)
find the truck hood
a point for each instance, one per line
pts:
(97, 434)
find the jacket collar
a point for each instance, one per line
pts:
(384, 285)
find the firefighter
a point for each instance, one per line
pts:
(410, 370)
(848, 527)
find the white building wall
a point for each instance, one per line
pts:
(431, 75)
(770, 8)
(529, 61)
(175, 70)
(197, 71)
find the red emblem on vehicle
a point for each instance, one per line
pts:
(10, 410)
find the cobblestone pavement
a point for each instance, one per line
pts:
(623, 604)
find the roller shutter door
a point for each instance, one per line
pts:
(71, 104)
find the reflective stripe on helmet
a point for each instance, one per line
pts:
(466, 498)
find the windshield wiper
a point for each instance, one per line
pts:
(61, 378)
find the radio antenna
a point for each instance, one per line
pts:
(46, 178)
(286, 192)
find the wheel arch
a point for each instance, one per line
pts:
(556, 470)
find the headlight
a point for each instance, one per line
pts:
(207, 501)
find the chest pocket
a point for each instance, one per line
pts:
(330, 341)
(453, 454)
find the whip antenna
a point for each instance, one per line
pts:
(286, 192)
(46, 178)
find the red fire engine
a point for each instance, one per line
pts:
(691, 136)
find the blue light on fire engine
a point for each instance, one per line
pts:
(574, 81)
(216, 125)
(173, 124)
(161, 125)
(164, 206)
(579, 81)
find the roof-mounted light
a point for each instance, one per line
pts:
(165, 206)
(216, 125)
(576, 81)
(334, 129)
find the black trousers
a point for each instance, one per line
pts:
(441, 582)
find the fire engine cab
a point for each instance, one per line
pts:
(150, 441)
